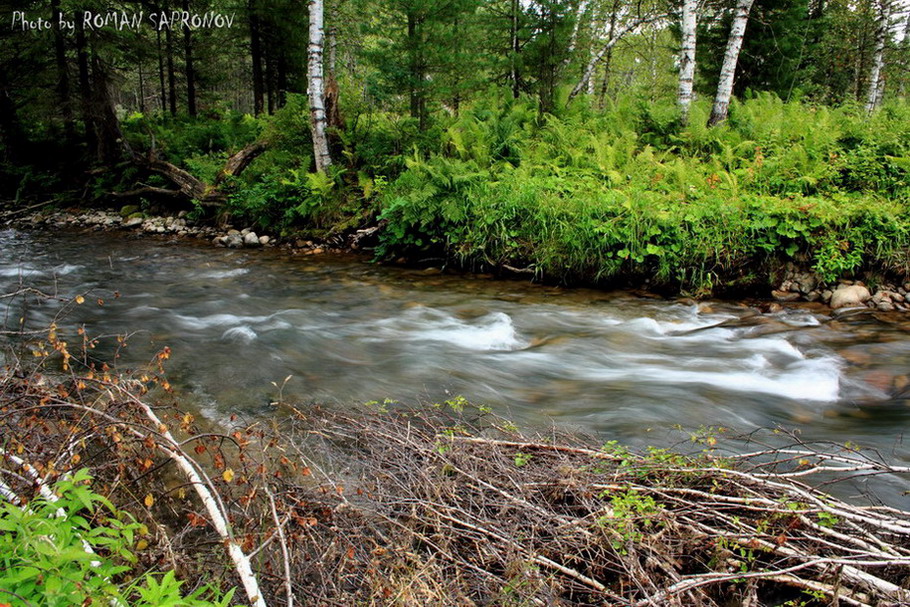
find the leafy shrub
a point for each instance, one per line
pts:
(591, 196)
(45, 557)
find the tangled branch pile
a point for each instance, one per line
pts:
(447, 505)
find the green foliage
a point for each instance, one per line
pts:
(45, 557)
(631, 512)
(179, 138)
(594, 196)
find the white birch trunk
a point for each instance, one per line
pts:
(731, 57)
(687, 26)
(612, 39)
(216, 512)
(316, 86)
(878, 58)
(573, 40)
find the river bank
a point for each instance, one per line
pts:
(446, 505)
(796, 283)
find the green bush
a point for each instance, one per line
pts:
(45, 557)
(591, 196)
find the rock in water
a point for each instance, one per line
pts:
(849, 296)
(233, 241)
(250, 239)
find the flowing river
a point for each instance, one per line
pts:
(613, 363)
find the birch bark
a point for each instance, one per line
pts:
(316, 86)
(687, 28)
(731, 57)
(878, 58)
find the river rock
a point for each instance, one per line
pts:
(132, 222)
(806, 283)
(781, 295)
(250, 239)
(264, 240)
(129, 209)
(233, 241)
(849, 296)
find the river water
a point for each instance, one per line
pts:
(623, 366)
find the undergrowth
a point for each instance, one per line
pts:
(591, 196)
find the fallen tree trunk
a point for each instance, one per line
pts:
(188, 185)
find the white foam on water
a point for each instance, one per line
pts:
(244, 334)
(18, 271)
(217, 320)
(491, 332)
(220, 274)
(64, 269)
(816, 379)
(233, 321)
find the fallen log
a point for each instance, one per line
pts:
(187, 185)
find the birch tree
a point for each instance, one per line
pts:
(731, 57)
(687, 26)
(878, 58)
(316, 86)
(610, 38)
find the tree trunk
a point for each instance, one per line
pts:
(256, 55)
(316, 86)
(687, 26)
(188, 62)
(514, 48)
(141, 89)
(573, 39)
(592, 63)
(162, 86)
(876, 84)
(731, 57)
(171, 76)
(416, 79)
(63, 81)
(110, 137)
(270, 78)
(11, 133)
(189, 186)
(905, 44)
(85, 89)
(605, 83)
(332, 35)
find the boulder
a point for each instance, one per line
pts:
(264, 240)
(806, 283)
(132, 222)
(233, 241)
(849, 296)
(250, 239)
(129, 209)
